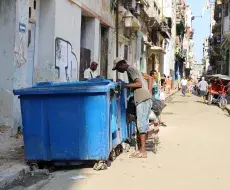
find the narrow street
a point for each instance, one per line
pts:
(194, 155)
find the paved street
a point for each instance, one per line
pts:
(194, 155)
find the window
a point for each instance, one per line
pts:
(30, 12)
(35, 4)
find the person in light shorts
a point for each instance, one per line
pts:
(143, 111)
(142, 100)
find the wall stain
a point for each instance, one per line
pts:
(20, 52)
(65, 58)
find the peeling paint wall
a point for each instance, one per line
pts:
(44, 68)
(68, 28)
(21, 42)
(59, 44)
(13, 58)
(7, 33)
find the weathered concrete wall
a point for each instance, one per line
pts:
(59, 41)
(20, 63)
(7, 33)
(100, 7)
(68, 28)
(44, 69)
(13, 56)
(91, 37)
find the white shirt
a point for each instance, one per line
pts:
(89, 74)
(183, 82)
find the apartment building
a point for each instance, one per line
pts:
(50, 40)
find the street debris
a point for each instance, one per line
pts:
(78, 177)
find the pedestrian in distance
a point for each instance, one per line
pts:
(168, 84)
(184, 86)
(190, 86)
(142, 100)
(203, 85)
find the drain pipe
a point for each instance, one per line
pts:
(117, 33)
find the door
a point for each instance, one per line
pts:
(85, 58)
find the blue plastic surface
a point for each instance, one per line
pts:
(122, 103)
(69, 121)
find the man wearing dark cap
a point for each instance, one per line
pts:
(143, 102)
(91, 72)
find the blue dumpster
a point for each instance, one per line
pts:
(68, 121)
(123, 107)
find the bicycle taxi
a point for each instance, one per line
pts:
(217, 91)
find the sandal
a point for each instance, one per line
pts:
(140, 155)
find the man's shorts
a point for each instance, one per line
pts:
(143, 110)
(203, 93)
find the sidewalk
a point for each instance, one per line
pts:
(12, 162)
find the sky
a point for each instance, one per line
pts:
(201, 26)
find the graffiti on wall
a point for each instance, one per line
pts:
(65, 59)
(20, 52)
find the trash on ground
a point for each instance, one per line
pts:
(78, 177)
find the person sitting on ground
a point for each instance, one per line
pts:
(142, 99)
(91, 72)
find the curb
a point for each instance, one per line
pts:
(7, 177)
(40, 184)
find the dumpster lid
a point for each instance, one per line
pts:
(95, 86)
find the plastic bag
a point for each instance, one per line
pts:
(158, 106)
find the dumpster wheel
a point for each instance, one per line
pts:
(112, 155)
(33, 166)
(101, 165)
(118, 150)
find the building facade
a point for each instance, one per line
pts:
(220, 39)
(48, 40)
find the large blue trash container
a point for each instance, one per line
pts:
(68, 121)
(123, 107)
